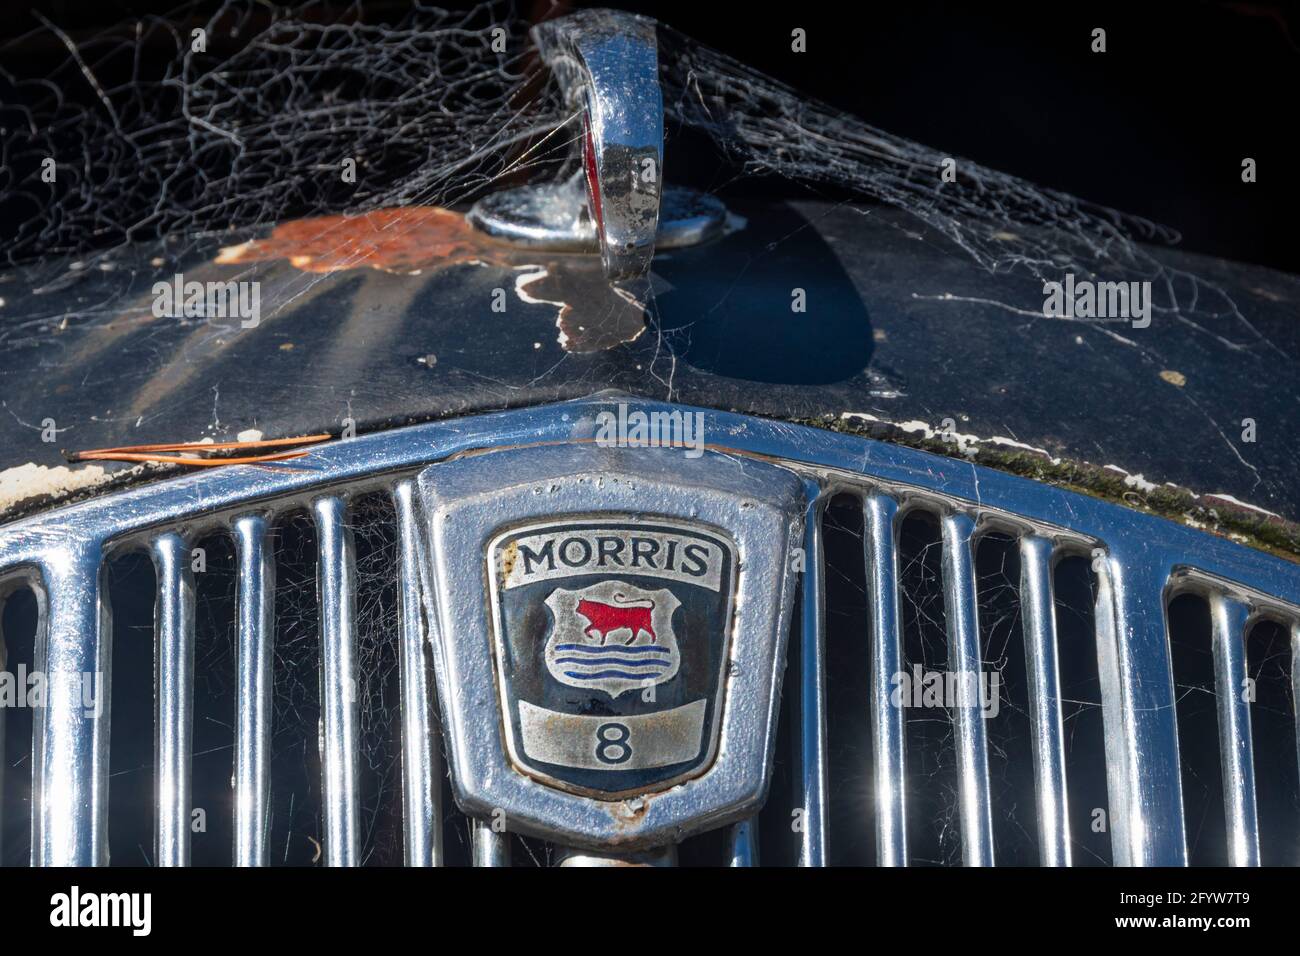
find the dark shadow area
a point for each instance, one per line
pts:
(130, 583)
(296, 827)
(850, 761)
(457, 849)
(1006, 723)
(1269, 663)
(933, 826)
(374, 524)
(778, 844)
(1081, 714)
(1191, 646)
(733, 309)
(215, 697)
(706, 849)
(19, 616)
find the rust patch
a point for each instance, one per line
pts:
(508, 558)
(611, 317)
(404, 241)
(591, 314)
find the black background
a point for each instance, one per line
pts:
(235, 907)
(1157, 125)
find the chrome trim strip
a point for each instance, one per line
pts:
(1228, 619)
(339, 712)
(742, 843)
(1295, 684)
(964, 659)
(812, 684)
(174, 698)
(1038, 613)
(421, 763)
(70, 744)
(255, 653)
(1137, 683)
(5, 590)
(370, 462)
(888, 723)
(489, 848)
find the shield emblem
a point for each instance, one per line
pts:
(612, 636)
(611, 640)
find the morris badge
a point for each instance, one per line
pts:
(611, 638)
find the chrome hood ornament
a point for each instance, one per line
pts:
(607, 65)
(603, 621)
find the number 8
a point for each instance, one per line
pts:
(615, 737)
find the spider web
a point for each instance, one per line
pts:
(256, 129)
(160, 146)
(437, 107)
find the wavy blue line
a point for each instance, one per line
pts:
(600, 674)
(611, 660)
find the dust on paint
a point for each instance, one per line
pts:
(31, 482)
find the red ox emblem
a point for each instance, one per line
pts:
(604, 618)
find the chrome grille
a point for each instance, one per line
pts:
(1140, 562)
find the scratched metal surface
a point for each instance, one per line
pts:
(899, 325)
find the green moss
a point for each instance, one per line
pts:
(1275, 535)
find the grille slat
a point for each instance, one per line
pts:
(812, 687)
(1143, 777)
(336, 594)
(1228, 617)
(1295, 686)
(742, 844)
(174, 693)
(974, 804)
(421, 768)
(489, 847)
(880, 520)
(1140, 562)
(255, 603)
(70, 747)
(1038, 611)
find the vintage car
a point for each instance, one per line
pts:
(587, 519)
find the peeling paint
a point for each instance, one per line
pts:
(1220, 496)
(404, 241)
(617, 320)
(523, 280)
(1219, 514)
(28, 483)
(966, 444)
(1135, 481)
(414, 240)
